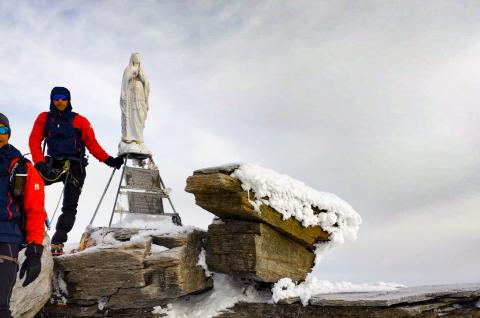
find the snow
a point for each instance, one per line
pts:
(60, 290)
(202, 261)
(159, 310)
(102, 303)
(229, 290)
(104, 237)
(226, 293)
(292, 198)
(158, 249)
(146, 221)
(286, 288)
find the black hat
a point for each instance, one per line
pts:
(60, 91)
(4, 120)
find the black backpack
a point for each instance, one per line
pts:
(17, 179)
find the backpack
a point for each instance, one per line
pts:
(17, 179)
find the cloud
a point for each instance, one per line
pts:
(376, 102)
(426, 245)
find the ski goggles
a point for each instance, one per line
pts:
(4, 130)
(59, 97)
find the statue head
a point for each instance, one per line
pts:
(135, 59)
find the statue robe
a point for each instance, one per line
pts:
(134, 102)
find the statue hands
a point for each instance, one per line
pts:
(141, 76)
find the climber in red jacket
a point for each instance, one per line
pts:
(66, 135)
(22, 217)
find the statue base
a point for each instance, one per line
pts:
(133, 148)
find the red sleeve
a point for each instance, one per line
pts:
(88, 137)
(36, 138)
(34, 206)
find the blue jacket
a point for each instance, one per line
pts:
(10, 215)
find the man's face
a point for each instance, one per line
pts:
(60, 103)
(3, 138)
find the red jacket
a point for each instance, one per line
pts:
(33, 205)
(79, 122)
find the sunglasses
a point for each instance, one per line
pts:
(4, 130)
(59, 97)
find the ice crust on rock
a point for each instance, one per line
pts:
(292, 198)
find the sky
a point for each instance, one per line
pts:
(375, 101)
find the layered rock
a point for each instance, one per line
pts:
(257, 251)
(248, 241)
(219, 193)
(425, 302)
(130, 276)
(27, 301)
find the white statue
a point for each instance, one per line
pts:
(134, 106)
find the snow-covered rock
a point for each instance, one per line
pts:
(271, 224)
(129, 270)
(252, 193)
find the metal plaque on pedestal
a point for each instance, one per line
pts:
(139, 178)
(145, 202)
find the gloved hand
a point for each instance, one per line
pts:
(41, 167)
(32, 264)
(114, 162)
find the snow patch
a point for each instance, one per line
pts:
(60, 290)
(102, 303)
(154, 249)
(285, 288)
(202, 261)
(159, 310)
(146, 221)
(226, 293)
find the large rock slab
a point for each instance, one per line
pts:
(130, 276)
(255, 250)
(426, 302)
(219, 193)
(26, 302)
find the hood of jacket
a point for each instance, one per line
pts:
(60, 91)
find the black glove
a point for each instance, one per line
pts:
(114, 162)
(32, 264)
(42, 168)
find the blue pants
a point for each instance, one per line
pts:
(8, 275)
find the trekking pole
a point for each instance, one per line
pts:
(59, 199)
(47, 223)
(103, 195)
(118, 190)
